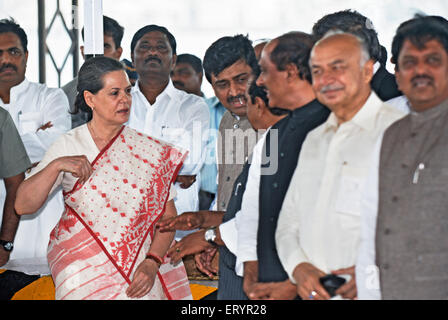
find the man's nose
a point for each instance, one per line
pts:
(421, 68)
(5, 57)
(174, 76)
(260, 81)
(235, 89)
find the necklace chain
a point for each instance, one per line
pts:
(94, 134)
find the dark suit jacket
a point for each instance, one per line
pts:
(292, 131)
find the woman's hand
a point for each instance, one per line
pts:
(78, 166)
(143, 280)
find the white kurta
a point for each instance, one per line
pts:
(181, 119)
(31, 106)
(319, 222)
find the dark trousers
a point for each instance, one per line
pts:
(205, 199)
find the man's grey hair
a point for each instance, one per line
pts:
(365, 55)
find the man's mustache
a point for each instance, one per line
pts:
(422, 77)
(239, 98)
(153, 58)
(331, 87)
(179, 84)
(8, 65)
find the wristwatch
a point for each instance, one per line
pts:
(7, 245)
(210, 236)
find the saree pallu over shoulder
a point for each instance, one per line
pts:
(113, 215)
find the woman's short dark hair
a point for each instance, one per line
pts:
(419, 31)
(225, 51)
(293, 47)
(150, 28)
(9, 25)
(90, 78)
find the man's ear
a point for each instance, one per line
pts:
(261, 106)
(118, 53)
(292, 72)
(82, 52)
(173, 61)
(368, 70)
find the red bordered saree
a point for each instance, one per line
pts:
(108, 222)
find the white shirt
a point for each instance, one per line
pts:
(319, 222)
(31, 106)
(367, 275)
(181, 119)
(240, 233)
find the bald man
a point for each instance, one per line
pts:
(318, 230)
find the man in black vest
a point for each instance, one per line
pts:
(286, 76)
(383, 82)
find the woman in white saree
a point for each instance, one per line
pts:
(117, 184)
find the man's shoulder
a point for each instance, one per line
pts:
(70, 86)
(390, 113)
(4, 115)
(188, 98)
(43, 90)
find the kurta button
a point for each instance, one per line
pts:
(275, 185)
(282, 154)
(228, 179)
(413, 134)
(394, 199)
(236, 126)
(404, 165)
(223, 204)
(387, 231)
(271, 219)
(385, 266)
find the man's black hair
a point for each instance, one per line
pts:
(419, 31)
(293, 47)
(152, 27)
(192, 60)
(225, 51)
(112, 29)
(9, 25)
(353, 22)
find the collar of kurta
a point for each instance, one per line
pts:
(170, 91)
(17, 90)
(430, 114)
(213, 102)
(364, 118)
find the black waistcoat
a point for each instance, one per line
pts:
(230, 285)
(292, 131)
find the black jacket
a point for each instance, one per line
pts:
(292, 131)
(384, 84)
